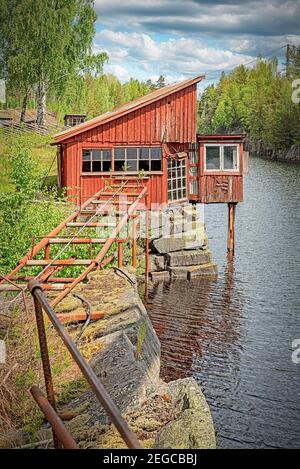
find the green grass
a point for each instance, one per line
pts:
(43, 154)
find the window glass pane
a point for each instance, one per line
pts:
(132, 153)
(106, 155)
(120, 154)
(230, 157)
(213, 157)
(106, 165)
(144, 153)
(144, 165)
(156, 153)
(86, 167)
(131, 165)
(96, 166)
(119, 165)
(155, 165)
(86, 155)
(96, 155)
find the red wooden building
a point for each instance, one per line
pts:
(155, 135)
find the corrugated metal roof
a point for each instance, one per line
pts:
(126, 108)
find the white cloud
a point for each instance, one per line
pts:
(179, 38)
(173, 58)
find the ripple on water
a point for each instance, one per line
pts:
(234, 335)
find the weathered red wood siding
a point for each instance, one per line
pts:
(221, 187)
(171, 119)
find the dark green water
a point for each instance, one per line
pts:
(234, 335)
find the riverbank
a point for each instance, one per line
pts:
(263, 150)
(124, 351)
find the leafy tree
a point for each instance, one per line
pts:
(161, 82)
(254, 100)
(44, 42)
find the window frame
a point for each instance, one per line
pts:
(139, 148)
(221, 153)
(175, 187)
(91, 149)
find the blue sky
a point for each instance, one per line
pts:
(179, 39)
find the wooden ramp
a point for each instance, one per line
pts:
(121, 200)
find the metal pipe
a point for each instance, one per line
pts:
(45, 359)
(113, 412)
(120, 254)
(53, 418)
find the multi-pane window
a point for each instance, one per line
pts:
(96, 160)
(221, 157)
(137, 159)
(176, 179)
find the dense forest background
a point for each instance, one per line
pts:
(49, 64)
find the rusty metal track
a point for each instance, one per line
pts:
(117, 199)
(62, 435)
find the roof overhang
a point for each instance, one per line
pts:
(217, 138)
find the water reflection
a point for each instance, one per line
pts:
(234, 335)
(193, 325)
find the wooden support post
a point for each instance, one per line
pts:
(120, 254)
(231, 223)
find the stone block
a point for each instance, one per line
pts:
(205, 270)
(188, 258)
(156, 263)
(173, 244)
(159, 276)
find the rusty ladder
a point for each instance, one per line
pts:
(121, 197)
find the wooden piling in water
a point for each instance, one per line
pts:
(231, 227)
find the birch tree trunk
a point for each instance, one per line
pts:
(24, 107)
(41, 110)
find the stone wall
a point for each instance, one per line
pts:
(181, 250)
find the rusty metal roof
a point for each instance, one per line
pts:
(127, 108)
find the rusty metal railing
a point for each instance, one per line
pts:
(60, 433)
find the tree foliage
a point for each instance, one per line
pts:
(255, 100)
(43, 42)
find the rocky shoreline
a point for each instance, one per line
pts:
(265, 151)
(124, 351)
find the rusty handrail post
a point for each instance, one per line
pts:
(120, 254)
(134, 240)
(45, 359)
(61, 432)
(103, 397)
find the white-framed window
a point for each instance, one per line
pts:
(137, 159)
(96, 160)
(223, 157)
(177, 179)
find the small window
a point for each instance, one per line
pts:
(96, 160)
(137, 159)
(213, 157)
(221, 157)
